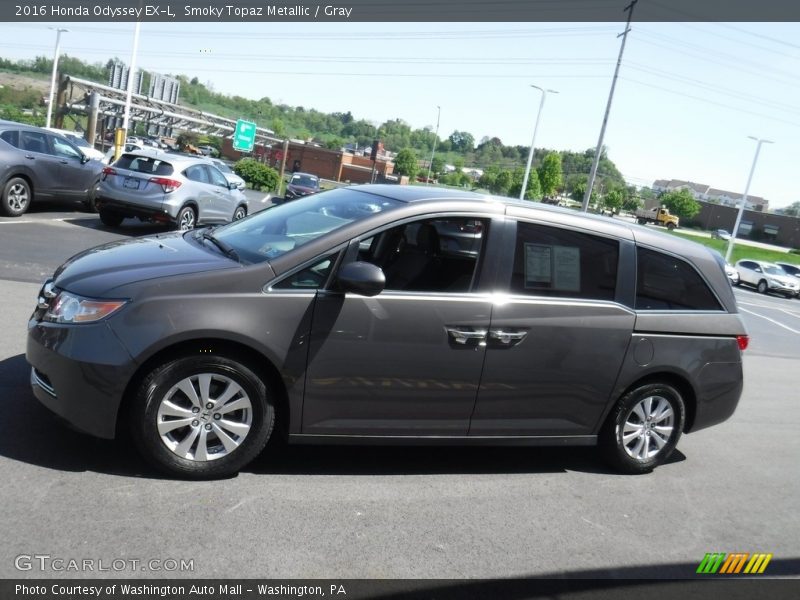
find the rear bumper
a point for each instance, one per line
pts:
(79, 373)
(719, 387)
(163, 212)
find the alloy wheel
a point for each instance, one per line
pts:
(648, 427)
(17, 197)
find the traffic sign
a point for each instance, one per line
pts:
(244, 136)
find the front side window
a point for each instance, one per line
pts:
(310, 278)
(216, 178)
(433, 255)
(64, 149)
(665, 282)
(550, 261)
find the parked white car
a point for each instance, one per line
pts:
(767, 277)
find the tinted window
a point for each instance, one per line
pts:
(664, 282)
(11, 136)
(33, 141)
(434, 255)
(144, 164)
(549, 261)
(305, 181)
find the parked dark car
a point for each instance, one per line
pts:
(343, 317)
(301, 184)
(37, 164)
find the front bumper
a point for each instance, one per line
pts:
(79, 372)
(783, 289)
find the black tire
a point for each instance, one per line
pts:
(670, 226)
(641, 221)
(186, 219)
(239, 213)
(89, 204)
(111, 219)
(762, 287)
(17, 197)
(161, 382)
(619, 453)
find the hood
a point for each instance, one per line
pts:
(96, 272)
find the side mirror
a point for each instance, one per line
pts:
(84, 159)
(362, 278)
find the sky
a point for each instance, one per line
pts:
(688, 96)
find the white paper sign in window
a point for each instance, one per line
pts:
(538, 266)
(567, 271)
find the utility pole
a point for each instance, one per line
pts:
(533, 141)
(744, 197)
(59, 31)
(596, 161)
(435, 139)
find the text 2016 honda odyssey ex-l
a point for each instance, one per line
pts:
(394, 314)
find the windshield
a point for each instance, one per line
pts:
(281, 229)
(304, 180)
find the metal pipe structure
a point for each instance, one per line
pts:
(59, 31)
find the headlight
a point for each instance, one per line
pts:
(775, 282)
(70, 308)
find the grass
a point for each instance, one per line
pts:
(741, 251)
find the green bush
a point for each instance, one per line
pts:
(257, 175)
(794, 251)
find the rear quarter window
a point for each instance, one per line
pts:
(666, 282)
(11, 136)
(144, 164)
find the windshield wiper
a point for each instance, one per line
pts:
(227, 250)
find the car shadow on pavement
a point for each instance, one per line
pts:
(129, 227)
(30, 433)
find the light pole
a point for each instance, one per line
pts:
(435, 139)
(744, 197)
(533, 140)
(59, 31)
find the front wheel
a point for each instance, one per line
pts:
(670, 226)
(641, 221)
(202, 417)
(16, 197)
(762, 287)
(643, 429)
(239, 213)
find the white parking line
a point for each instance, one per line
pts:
(44, 221)
(778, 323)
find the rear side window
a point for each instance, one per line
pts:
(33, 141)
(144, 164)
(665, 282)
(11, 136)
(550, 261)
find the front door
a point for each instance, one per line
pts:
(408, 361)
(557, 339)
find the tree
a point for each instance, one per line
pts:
(793, 210)
(462, 141)
(437, 165)
(406, 163)
(681, 203)
(613, 201)
(256, 174)
(632, 204)
(550, 175)
(533, 189)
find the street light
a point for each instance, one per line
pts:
(59, 31)
(533, 140)
(435, 139)
(744, 197)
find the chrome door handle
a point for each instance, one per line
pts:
(507, 338)
(461, 335)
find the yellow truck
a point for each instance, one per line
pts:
(659, 216)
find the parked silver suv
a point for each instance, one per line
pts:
(167, 188)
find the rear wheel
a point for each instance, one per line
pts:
(89, 203)
(17, 197)
(187, 218)
(762, 287)
(641, 221)
(111, 219)
(643, 429)
(202, 417)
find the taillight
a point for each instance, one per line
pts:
(108, 171)
(743, 341)
(168, 185)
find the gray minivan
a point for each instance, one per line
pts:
(391, 314)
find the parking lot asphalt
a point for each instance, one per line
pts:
(393, 512)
